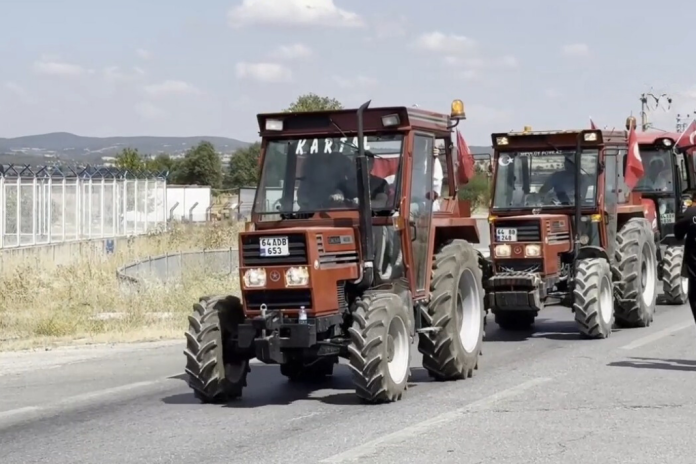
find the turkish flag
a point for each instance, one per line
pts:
(634, 163)
(386, 167)
(465, 168)
(687, 139)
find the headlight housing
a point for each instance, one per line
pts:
(532, 251)
(255, 278)
(503, 251)
(297, 277)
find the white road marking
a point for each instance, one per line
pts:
(418, 430)
(19, 414)
(657, 335)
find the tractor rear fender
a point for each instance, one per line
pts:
(592, 252)
(447, 229)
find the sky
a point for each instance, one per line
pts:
(179, 68)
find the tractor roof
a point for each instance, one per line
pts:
(320, 122)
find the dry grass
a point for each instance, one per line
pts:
(42, 304)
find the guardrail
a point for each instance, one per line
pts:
(173, 267)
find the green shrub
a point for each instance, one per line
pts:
(477, 191)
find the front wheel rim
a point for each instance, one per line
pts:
(398, 350)
(647, 276)
(606, 305)
(469, 311)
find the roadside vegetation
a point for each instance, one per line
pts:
(43, 305)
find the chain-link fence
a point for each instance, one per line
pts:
(52, 204)
(174, 267)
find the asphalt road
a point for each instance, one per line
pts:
(542, 397)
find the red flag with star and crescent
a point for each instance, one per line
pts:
(687, 139)
(634, 163)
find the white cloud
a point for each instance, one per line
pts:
(355, 82)
(264, 72)
(292, 52)
(451, 44)
(320, 13)
(143, 54)
(116, 74)
(51, 66)
(149, 111)
(577, 49)
(478, 64)
(171, 87)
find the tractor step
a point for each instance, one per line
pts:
(428, 330)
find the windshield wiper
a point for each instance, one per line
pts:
(368, 153)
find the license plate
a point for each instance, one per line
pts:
(667, 218)
(505, 235)
(274, 246)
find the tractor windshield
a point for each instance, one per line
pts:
(534, 179)
(309, 175)
(658, 171)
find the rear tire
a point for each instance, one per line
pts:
(216, 372)
(593, 301)
(457, 309)
(674, 286)
(635, 274)
(380, 347)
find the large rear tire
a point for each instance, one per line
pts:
(380, 347)
(635, 274)
(674, 286)
(593, 298)
(457, 311)
(216, 372)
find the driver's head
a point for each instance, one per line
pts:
(657, 164)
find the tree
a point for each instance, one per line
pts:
(201, 166)
(244, 167)
(129, 159)
(313, 102)
(161, 163)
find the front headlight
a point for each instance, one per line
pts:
(532, 251)
(297, 276)
(502, 251)
(254, 278)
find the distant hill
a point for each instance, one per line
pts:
(68, 146)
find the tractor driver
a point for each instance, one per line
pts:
(659, 174)
(563, 182)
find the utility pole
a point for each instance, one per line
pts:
(645, 107)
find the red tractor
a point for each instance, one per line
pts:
(667, 188)
(348, 255)
(566, 229)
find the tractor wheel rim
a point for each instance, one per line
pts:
(470, 311)
(606, 303)
(685, 285)
(648, 273)
(398, 362)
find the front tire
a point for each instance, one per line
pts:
(457, 310)
(635, 272)
(593, 301)
(674, 286)
(216, 372)
(380, 351)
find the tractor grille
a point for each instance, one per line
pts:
(519, 265)
(527, 231)
(278, 299)
(251, 254)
